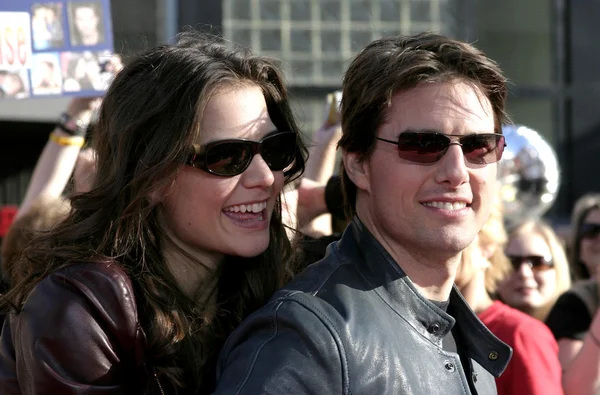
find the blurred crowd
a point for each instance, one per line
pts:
(534, 290)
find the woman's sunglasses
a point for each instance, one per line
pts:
(537, 263)
(231, 157)
(589, 231)
(423, 147)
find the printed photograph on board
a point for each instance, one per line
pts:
(14, 84)
(46, 77)
(47, 26)
(86, 71)
(86, 23)
(80, 71)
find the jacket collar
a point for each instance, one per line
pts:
(384, 276)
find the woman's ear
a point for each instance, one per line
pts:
(357, 169)
(159, 191)
(156, 196)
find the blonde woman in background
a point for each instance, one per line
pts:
(534, 368)
(540, 270)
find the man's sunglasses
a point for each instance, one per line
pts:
(537, 263)
(231, 157)
(424, 147)
(589, 231)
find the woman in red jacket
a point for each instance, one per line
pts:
(179, 238)
(534, 368)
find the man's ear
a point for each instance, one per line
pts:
(357, 169)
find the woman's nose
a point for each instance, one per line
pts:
(258, 174)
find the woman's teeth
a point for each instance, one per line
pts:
(248, 208)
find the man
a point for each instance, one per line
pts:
(421, 120)
(87, 24)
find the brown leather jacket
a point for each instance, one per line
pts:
(78, 333)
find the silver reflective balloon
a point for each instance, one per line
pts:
(529, 174)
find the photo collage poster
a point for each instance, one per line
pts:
(54, 48)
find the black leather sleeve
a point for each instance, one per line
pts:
(287, 347)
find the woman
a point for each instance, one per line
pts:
(540, 269)
(534, 368)
(574, 319)
(584, 246)
(178, 240)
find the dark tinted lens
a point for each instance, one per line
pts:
(422, 147)
(279, 150)
(228, 158)
(482, 149)
(536, 262)
(589, 231)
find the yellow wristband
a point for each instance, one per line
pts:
(76, 141)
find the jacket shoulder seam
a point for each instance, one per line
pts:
(273, 326)
(335, 333)
(327, 323)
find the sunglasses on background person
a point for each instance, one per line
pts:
(589, 231)
(537, 263)
(426, 147)
(228, 158)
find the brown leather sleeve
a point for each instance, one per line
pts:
(78, 333)
(8, 366)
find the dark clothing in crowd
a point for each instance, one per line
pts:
(571, 315)
(314, 249)
(334, 198)
(354, 323)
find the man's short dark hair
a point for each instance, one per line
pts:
(393, 64)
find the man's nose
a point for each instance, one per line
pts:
(452, 168)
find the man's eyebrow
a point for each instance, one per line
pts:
(437, 131)
(420, 131)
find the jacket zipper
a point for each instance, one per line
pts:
(159, 386)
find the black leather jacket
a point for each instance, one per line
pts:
(353, 323)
